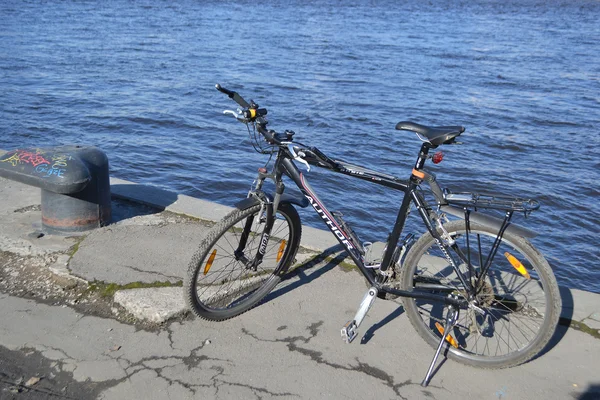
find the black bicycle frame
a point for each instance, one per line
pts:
(284, 165)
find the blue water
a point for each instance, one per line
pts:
(136, 78)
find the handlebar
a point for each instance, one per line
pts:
(250, 111)
(270, 135)
(233, 95)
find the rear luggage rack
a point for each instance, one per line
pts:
(486, 200)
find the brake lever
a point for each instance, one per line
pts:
(298, 158)
(236, 115)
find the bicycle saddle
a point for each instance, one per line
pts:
(436, 135)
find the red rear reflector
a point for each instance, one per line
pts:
(437, 157)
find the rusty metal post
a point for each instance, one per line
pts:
(74, 181)
(83, 210)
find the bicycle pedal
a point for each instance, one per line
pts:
(349, 331)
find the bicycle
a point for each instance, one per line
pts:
(474, 287)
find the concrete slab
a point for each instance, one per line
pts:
(21, 222)
(579, 305)
(17, 196)
(129, 253)
(153, 304)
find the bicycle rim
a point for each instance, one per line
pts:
(224, 283)
(520, 300)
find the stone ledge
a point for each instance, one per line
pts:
(155, 305)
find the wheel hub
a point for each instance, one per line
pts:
(485, 295)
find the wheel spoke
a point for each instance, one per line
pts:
(235, 280)
(518, 310)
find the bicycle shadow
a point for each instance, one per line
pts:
(566, 315)
(373, 328)
(591, 393)
(304, 278)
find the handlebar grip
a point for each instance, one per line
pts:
(222, 89)
(233, 95)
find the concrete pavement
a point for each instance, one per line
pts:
(289, 347)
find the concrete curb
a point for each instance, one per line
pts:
(312, 238)
(578, 305)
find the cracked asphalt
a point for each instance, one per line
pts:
(288, 347)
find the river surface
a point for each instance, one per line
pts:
(136, 78)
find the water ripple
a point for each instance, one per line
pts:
(137, 79)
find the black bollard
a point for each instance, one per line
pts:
(74, 181)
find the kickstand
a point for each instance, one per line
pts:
(451, 318)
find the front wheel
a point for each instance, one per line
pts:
(520, 299)
(223, 279)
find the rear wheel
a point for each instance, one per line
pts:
(222, 280)
(519, 296)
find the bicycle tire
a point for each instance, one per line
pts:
(224, 287)
(523, 313)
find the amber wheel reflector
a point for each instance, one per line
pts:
(517, 264)
(281, 249)
(210, 261)
(449, 337)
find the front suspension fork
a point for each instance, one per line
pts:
(268, 208)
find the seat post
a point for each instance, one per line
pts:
(422, 156)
